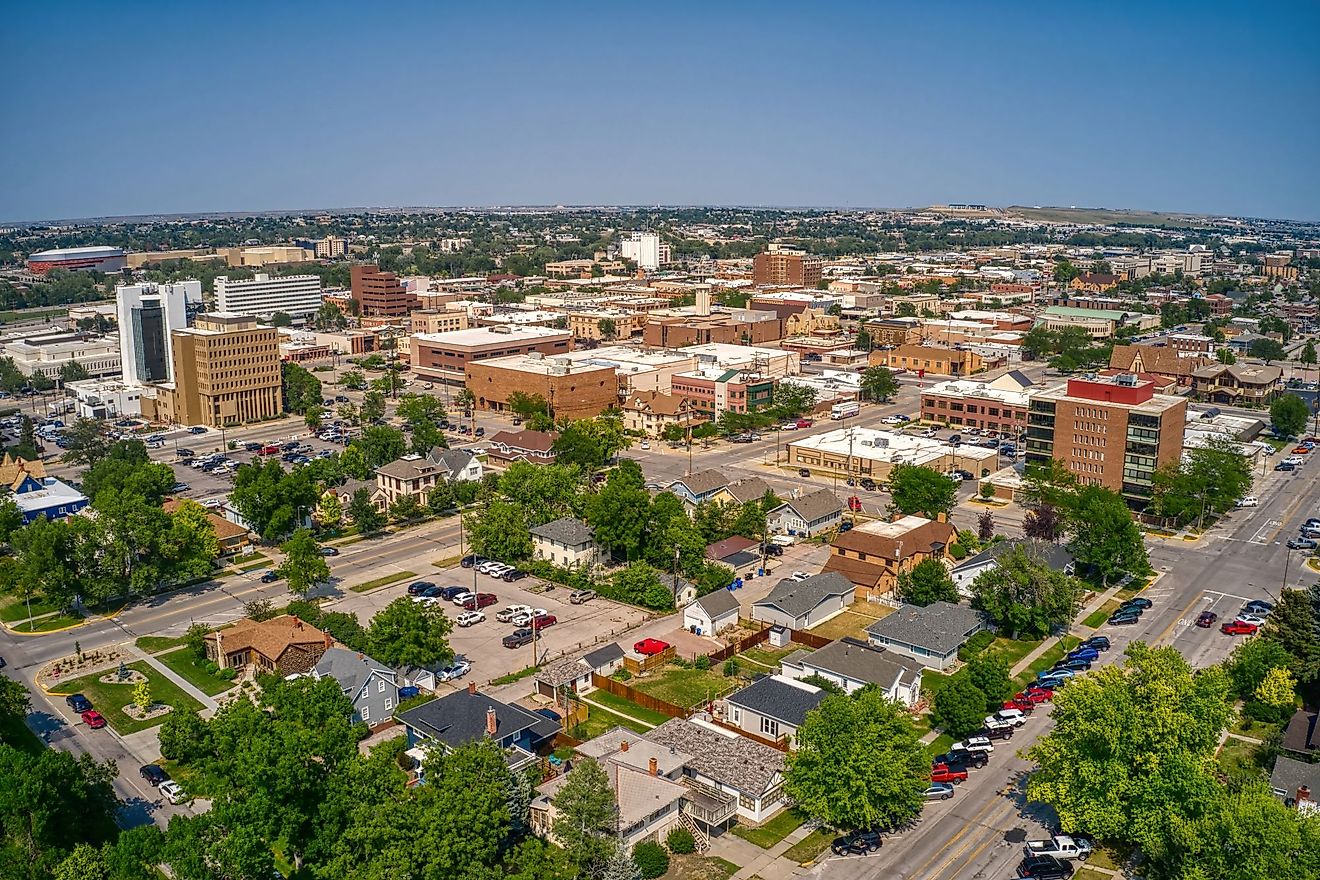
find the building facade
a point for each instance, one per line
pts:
(264, 295)
(990, 406)
(573, 389)
(929, 359)
(380, 293)
(227, 372)
(444, 357)
(149, 315)
(780, 265)
(713, 392)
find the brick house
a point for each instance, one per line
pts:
(871, 555)
(284, 645)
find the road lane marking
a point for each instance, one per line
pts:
(1181, 617)
(1260, 536)
(987, 825)
(968, 825)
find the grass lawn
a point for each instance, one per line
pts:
(921, 724)
(1252, 728)
(48, 624)
(383, 581)
(600, 720)
(192, 669)
(932, 682)
(1241, 758)
(1133, 589)
(806, 849)
(514, 676)
(14, 608)
(1101, 614)
(628, 707)
(1012, 650)
(1088, 874)
(767, 834)
(31, 315)
(849, 623)
(684, 686)
(939, 746)
(765, 655)
(110, 699)
(194, 781)
(1046, 660)
(695, 867)
(1105, 857)
(152, 644)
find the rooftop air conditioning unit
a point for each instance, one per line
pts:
(1128, 379)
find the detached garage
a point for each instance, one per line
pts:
(711, 613)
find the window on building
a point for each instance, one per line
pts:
(770, 727)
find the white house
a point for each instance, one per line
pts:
(853, 664)
(566, 542)
(808, 515)
(806, 603)
(711, 613)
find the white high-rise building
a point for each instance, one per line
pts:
(264, 295)
(645, 249)
(148, 316)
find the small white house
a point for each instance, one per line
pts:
(566, 542)
(806, 603)
(808, 515)
(711, 613)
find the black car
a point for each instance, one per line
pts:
(154, 774)
(1257, 606)
(772, 550)
(516, 574)
(471, 560)
(419, 588)
(803, 472)
(252, 446)
(78, 703)
(1100, 643)
(1124, 619)
(1075, 665)
(858, 844)
(448, 593)
(1138, 602)
(1005, 732)
(329, 551)
(517, 638)
(1045, 868)
(868, 484)
(270, 577)
(962, 759)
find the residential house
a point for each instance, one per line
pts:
(566, 542)
(853, 664)
(468, 715)
(284, 645)
(344, 494)
(684, 590)
(652, 411)
(606, 660)
(506, 447)
(1056, 556)
(711, 613)
(1238, 384)
(1297, 784)
(43, 496)
(735, 552)
(807, 515)
(742, 491)
(648, 804)
(372, 686)
(1301, 738)
(1165, 361)
(872, 554)
(699, 487)
(416, 475)
(932, 634)
(724, 763)
(232, 537)
(773, 707)
(805, 603)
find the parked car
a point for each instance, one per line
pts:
(972, 744)
(1137, 602)
(858, 844)
(1206, 619)
(469, 618)
(507, 614)
(1074, 666)
(938, 791)
(173, 792)
(1060, 846)
(78, 703)
(945, 773)
(1249, 501)
(1285, 466)
(459, 598)
(1252, 619)
(541, 621)
(1024, 705)
(517, 638)
(868, 484)
(963, 760)
(456, 669)
(803, 472)
(471, 560)
(1034, 694)
(448, 593)
(1120, 619)
(479, 601)
(513, 574)
(1100, 643)
(1302, 544)
(270, 576)
(419, 588)
(1258, 606)
(579, 597)
(1044, 868)
(1238, 628)
(1088, 654)
(1015, 717)
(649, 647)
(999, 730)
(93, 719)
(329, 551)
(154, 774)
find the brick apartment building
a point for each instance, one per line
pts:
(746, 327)
(1000, 405)
(786, 266)
(1111, 431)
(444, 357)
(574, 389)
(380, 293)
(714, 391)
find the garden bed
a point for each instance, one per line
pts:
(110, 699)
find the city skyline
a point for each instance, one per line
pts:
(1179, 109)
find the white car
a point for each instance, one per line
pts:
(1015, 717)
(457, 669)
(892, 420)
(525, 617)
(496, 569)
(468, 618)
(507, 614)
(1294, 460)
(798, 576)
(427, 601)
(646, 444)
(1253, 619)
(173, 792)
(788, 426)
(973, 744)
(463, 597)
(1249, 501)
(486, 566)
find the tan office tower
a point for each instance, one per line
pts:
(780, 265)
(226, 372)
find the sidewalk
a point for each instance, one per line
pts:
(768, 864)
(198, 695)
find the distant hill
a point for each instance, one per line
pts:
(1107, 216)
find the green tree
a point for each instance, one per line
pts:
(353, 380)
(1308, 356)
(272, 500)
(991, 676)
(142, 695)
(1209, 479)
(364, 513)
(1105, 537)
(640, 584)
(1251, 661)
(878, 383)
(858, 763)
(1267, 350)
(1065, 271)
(1278, 690)
(406, 507)
(586, 817)
(304, 566)
(184, 736)
(651, 859)
(126, 467)
(618, 512)
(83, 863)
(926, 582)
(419, 409)
(1225, 356)
(1024, 596)
(608, 329)
(1294, 625)
(301, 390)
(500, 531)
(330, 511)
(673, 433)
(916, 489)
(87, 442)
(1288, 415)
(590, 443)
(381, 444)
(959, 707)
(407, 633)
(373, 407)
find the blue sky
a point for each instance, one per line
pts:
(128, 108)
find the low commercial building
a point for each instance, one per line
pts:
(772, 362)
(266, 255)
(106, 398)
(745, 326)
(42, 497)
(868, 452)
(929, 360)
(444, 357)
(997, 405)
(574, 389)
(438, 320)
(931, 635)
(894, 331)
(714, 391)
(605, 324)
(50, 352)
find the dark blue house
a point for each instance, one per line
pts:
(466, 716)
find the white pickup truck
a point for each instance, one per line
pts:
(1061, 846)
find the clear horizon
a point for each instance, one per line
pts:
(142, 109)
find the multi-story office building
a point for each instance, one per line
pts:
(575, 389)
(1111, 431)
(782, 265)
(227, 372)
(714, 391)
(444, 357)
(263, 296)
(330, 248)
(645, 249)
(149, 315)
(1000, 405)
(380, 293)
(48, 353)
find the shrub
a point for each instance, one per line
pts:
(957, 551)
(621, 674)
(651, 859)
(681, 842)
(730, 668)
(228, 674)
(1266, 713)
(211, 667)
(702, 662)
(976, 644)
(987, 490)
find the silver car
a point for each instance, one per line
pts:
(939, 791)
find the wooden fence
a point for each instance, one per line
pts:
(811, 640)
(646, 701)
(738, 647)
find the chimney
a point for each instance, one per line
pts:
(623, 746)
(654, 767)
(297, 623)
(472, 688)
(491, 722)
(1303, 794)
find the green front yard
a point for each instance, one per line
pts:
(152, 644)
(1012, 650)
(852, 622)
(1239, 758)
(685, 686)
(600, 720)
(1101, 614)
(939, 746)
(767, 834)
(806, 849)
(110, 699)
(932, 682)
(192, 669)
(13, 608)
(764, 655)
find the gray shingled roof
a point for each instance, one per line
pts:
(748, 489)
(703, 482)
(1290, 773)
(859, 661)
(718, 603)
(350, 668)
(732, 760)
(776, 698)
(1056, 556)
(566, 530)
(815, 505)
(452, 461)
(940, 626)
(796, 598)
(601, 656)
(459, 718)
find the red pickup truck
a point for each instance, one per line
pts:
(942, 773)
(269, 450)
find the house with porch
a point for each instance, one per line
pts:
(773, 707)
(807, 515)
(370, 685)
(698, 487)
(284, 645)
(468, 715)
(854, 664)
(730, 769)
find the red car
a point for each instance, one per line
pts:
(269, 450)
(1023, 705)
(541, 621)
(942, 773)
(1035, 695)
(854, 503)
(93, 719)
(804, 423)
(648, 647)
(481, 600)
(1238, 628)
(1301, 450)
(1206, 619)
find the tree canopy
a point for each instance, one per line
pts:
(916, 489)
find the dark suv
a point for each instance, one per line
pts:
(1045, 868)
(78, 703)
(154, 774)
(858, 844)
